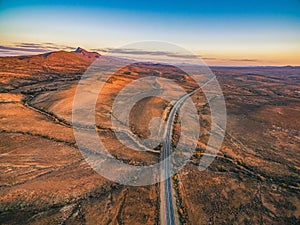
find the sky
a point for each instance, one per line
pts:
(221, 32)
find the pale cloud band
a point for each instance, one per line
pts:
(25, 48)
(18, 49)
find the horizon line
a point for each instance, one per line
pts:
(33, 49)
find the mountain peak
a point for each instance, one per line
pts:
(86, 53)
(80, 50)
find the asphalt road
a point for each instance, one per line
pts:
(167, 164)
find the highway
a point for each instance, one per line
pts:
(168, 216)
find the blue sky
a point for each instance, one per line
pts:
(265, 32)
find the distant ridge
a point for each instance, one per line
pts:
(46, 65)
(85, 53)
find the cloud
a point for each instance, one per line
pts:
(243, 60)
(17, 49)
(129, 51)
(31, 48)
(101, 50)
(209, 58)
(27, 48)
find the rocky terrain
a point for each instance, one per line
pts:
(45, 180)
(255, 177)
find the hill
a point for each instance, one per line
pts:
(18, 71)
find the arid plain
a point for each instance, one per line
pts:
(44, 179)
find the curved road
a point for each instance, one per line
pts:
(168, 216)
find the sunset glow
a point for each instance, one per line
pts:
(223, 33)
